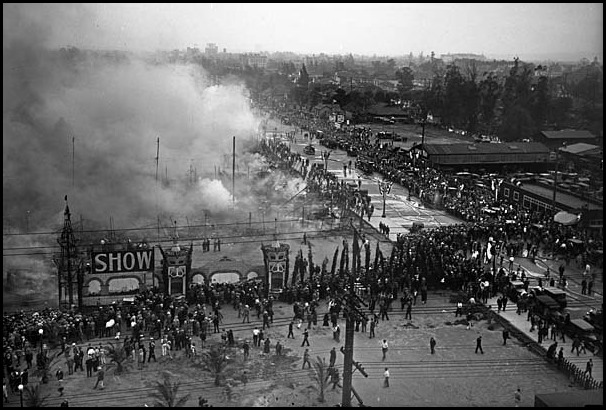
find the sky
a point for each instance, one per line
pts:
(568, 31)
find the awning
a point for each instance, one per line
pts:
(565, 218)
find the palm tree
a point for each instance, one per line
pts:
(33, 397)
(166, 393)
(215, 361)
(44, 366)
(118, 357)
(320, 376)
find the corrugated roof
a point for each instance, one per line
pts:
(568, 134)
(486, 148)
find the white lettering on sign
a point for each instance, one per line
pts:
(123, 261)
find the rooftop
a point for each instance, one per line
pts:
(487, 148)
(567, 134)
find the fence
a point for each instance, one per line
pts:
(575, 374)
(579, 376)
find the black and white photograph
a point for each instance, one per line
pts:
(302, 204)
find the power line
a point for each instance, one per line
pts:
(265, 237)
(152, 227)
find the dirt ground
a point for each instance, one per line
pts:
(454, 376)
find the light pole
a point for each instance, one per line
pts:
(21, 393)
(384, 189)
(41, 333)
(555, 178)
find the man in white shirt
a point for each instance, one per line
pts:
(386, 375)
(384, 347)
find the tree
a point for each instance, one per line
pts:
(166, 393)
(117, 358)
(516, 121)
(303, 78)
(34, 397)
(321, 376)
(44, 366)
(215, 361)
(405, 78)
(488, 93)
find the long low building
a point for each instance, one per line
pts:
(537, 197)
(526, 155)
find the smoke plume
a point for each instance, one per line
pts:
(86, 123)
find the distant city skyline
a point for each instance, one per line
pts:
(535, 31)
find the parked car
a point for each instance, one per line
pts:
(309, 150)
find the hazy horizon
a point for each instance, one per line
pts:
(535, 31)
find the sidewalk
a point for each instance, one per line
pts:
(520, 323)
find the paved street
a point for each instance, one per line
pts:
(401, 211)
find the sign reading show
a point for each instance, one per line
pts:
(123, 261)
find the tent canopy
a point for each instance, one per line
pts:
(565, 218)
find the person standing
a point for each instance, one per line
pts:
(384, 348)
(517, 397)
(152, 350)
(266, 345)
(386, 376)
(479, 344)
(372, 328)
(246, 348)
(432, 345)
(256, 336)
(408, 311)
(333, 357)
(100, 378)
(141, 359)
(305, 338)
(499, 304)
(246, 314)
(504, 302)
(89, 367)
(290, 328)
(459, 310)
(306, 359)
(505, 336)
(278, 349)
(589, 367)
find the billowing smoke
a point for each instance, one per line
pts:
(87, 123)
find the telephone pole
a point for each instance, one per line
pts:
(352, 309)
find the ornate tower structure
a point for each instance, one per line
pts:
(69, 274)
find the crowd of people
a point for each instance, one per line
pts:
(473, 258)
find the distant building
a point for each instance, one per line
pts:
(253, 60)
(537, 197)
(449, 58)
(525, 155)
(211, 49)
(555, 139)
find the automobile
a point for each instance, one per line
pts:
(309, 150)
(352, 152)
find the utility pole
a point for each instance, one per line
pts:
(73, 159)
(349, 340)
(157, 157)
(233, 174)
(352, 302)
